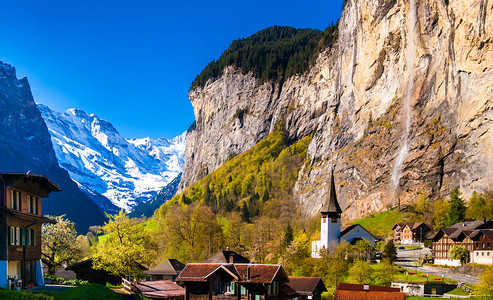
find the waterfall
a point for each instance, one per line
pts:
(406, 102)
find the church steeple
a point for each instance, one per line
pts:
(331, 207)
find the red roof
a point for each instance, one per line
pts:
(357, 291)
(259, 273)
(368, 295)
(361, 287)
(160, 289)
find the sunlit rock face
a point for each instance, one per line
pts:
(400, 105)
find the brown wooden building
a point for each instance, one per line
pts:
(20, 228)
(235, 281)
(307, 287)
(462, 234)
(167, 270)
(482, 247)
(410, 233)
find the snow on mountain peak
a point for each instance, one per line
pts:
(126, 171)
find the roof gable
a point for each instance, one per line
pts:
(167, 267)
(307, 285)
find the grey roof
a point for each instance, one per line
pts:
(331, 205)
(226, 257)
(167, 267)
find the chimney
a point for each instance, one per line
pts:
(366, 287)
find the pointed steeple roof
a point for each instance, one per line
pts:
(331, 205)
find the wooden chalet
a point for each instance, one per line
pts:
(307, 287)
(348, 291)
(410, 233)
(462, 234)
(20, 228)
(167, 270)
(482, 247)
(235, 281)
(85, 271)
(226, 257)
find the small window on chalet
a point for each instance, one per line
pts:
(232, 288)
(11, 235)
(12, 200)
(243, 290)
(17, 201)
(17, 236)
(28, 203)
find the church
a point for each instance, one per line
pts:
(331, 231)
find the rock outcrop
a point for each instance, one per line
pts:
(400, 105)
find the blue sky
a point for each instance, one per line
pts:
(132, 62)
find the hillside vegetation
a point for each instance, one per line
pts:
(273, 54)
(246, 204)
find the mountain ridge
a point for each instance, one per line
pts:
(104, 164)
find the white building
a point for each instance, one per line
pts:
(331, 233)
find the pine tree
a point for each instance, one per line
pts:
(288, 235)
(457, 211)
(390, 252)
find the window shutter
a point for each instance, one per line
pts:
(12, 199)
(17, 236)
(232, 288)
(28, 242)
(23, 236)
(35, 205)
(243, 290)
(33, 235)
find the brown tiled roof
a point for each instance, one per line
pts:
(160, 289)
(356, 291)
(399, 224)
(260, 273)
(197, 272)
(306, 285)
(225, 257)
(167, 267)
(362, 295)
(287, 292)
(360, 287)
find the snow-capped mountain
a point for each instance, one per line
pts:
(126, 171)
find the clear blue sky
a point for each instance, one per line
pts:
(132, 62)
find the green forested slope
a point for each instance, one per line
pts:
(272, 54)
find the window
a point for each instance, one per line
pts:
(12, 235)
(34, 205)
(12, 203)
(17, 201)
(17, 236)
(232, 287)
(28, 203)
(243, 290)
(28, 238)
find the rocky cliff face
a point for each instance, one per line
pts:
(400, 105)
(25, 145)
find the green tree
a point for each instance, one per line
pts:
(360, 272)
(441, 208)
(288, 235)
(457, 210)
(476, 207)
(364, 249)
(390, 252)
(460, 253)
(384, 275)
(485, 286)
(59, 243)
(126, 248)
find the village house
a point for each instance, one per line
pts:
(167, 270)
(235, 281)
(482, 247)
(410, 233)
(307, 287)
(20, 228)
(467, 234)
(331, 232)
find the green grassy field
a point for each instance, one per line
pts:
(81, 292)
(381, 223)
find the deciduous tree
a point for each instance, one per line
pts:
(460, 253)
(485, 286)
(126, 248)
(59, 243)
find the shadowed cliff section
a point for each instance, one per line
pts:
(25, 145)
